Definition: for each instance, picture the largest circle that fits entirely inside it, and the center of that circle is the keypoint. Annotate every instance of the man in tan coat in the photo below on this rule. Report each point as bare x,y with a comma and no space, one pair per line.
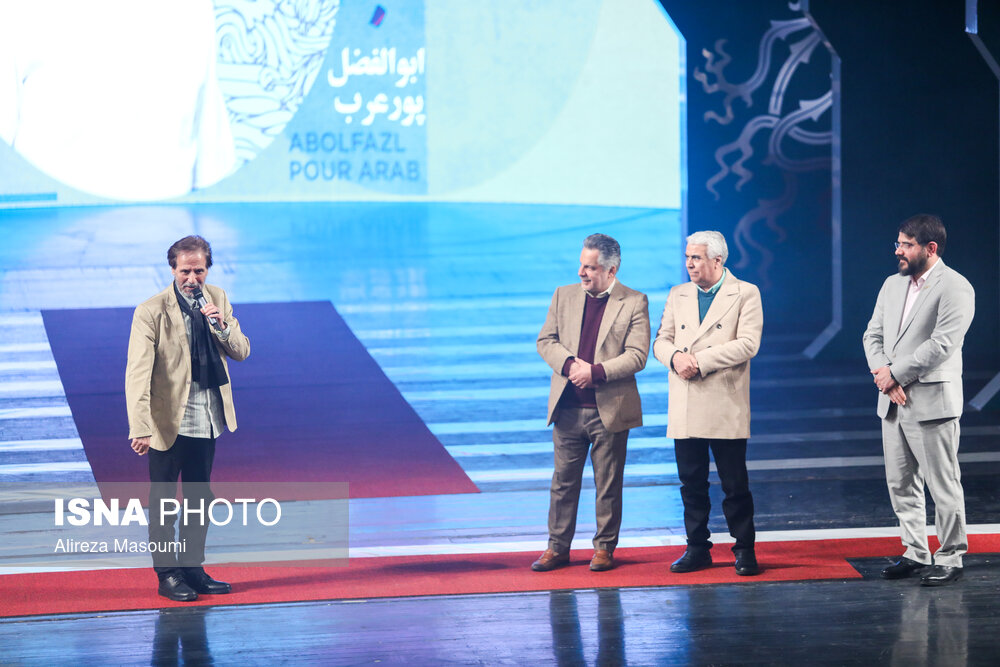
595,339
179,399
710,330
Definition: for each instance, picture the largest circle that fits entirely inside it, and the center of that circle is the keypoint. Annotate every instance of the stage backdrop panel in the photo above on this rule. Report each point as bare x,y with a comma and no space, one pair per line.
312,405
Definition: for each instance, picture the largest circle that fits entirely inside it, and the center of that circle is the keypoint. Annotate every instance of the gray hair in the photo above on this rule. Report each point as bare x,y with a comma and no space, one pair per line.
609,252
714,242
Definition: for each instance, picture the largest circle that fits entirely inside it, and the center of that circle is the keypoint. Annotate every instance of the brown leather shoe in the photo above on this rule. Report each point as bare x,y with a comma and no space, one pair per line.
602,561
550,560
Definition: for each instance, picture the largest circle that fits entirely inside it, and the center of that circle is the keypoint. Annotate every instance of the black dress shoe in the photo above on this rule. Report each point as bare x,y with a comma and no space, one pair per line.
939,575
202,583
902,569
692,560
746,563
175,588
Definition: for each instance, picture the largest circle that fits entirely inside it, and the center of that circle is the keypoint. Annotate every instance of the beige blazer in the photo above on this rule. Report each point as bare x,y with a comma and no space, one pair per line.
158,372
622,349
924,353
716,402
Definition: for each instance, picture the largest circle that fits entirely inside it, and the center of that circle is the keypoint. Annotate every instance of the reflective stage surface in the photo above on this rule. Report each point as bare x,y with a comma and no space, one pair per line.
448,299
861,622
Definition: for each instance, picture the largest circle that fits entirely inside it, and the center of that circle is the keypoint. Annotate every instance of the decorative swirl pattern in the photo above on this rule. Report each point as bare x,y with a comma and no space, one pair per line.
781,119
270,52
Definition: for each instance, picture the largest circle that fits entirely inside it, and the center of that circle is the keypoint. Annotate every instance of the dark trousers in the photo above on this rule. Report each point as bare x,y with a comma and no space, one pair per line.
191,460
731,463
574,432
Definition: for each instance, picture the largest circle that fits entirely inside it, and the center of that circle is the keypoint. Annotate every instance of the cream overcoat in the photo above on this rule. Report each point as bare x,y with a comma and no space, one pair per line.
716,402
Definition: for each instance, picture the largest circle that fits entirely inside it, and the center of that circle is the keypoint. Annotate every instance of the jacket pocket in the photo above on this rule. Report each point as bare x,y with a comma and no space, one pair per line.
729,375
934,376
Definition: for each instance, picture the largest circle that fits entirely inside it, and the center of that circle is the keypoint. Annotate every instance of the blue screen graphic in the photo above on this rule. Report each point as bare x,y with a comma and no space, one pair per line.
496,101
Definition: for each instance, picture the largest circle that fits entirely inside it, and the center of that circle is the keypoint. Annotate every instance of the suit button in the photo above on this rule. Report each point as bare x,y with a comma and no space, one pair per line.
685,349
682,326
718,326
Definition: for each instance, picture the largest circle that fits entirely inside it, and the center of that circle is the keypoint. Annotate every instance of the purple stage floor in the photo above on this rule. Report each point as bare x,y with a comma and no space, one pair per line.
312,405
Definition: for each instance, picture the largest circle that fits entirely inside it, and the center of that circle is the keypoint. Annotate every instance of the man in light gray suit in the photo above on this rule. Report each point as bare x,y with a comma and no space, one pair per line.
595,339
914,349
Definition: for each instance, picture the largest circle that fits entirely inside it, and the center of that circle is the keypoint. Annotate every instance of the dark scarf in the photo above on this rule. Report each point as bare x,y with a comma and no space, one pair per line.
206,363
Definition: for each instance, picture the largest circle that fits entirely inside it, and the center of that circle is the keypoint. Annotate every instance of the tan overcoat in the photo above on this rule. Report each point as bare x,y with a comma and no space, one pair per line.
716,402
158,372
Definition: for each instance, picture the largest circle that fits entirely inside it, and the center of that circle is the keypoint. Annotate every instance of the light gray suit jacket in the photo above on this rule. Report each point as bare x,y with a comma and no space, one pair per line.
924,354
622,349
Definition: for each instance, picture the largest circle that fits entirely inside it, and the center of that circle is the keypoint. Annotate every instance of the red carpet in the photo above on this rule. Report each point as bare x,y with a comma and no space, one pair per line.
109,590
313,406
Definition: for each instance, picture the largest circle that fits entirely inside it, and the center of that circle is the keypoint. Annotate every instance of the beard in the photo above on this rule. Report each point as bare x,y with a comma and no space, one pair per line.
918,265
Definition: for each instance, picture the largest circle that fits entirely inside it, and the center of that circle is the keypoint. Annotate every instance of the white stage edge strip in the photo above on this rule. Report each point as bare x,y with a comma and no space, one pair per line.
36,413
54,444
670,469
23,347
537,546
644,541
21,366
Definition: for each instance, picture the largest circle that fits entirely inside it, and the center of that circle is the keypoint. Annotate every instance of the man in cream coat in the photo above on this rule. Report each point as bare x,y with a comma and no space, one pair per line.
914,349
179,399
710,330
595,339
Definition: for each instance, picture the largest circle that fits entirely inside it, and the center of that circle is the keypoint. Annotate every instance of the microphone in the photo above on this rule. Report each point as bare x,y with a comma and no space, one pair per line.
199,298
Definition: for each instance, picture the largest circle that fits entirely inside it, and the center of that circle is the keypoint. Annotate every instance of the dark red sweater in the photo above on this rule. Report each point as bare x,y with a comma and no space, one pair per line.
573,396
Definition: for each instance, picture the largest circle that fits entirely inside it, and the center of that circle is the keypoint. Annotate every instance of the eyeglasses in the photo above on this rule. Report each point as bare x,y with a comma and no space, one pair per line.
904,244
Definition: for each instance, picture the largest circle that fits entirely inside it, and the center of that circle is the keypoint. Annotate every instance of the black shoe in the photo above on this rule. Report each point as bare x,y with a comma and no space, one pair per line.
174,588
201,582
939,575
902,569
692,560
746,563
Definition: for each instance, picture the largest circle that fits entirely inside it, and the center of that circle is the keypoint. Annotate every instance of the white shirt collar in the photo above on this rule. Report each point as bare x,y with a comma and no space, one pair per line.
606,292
923,278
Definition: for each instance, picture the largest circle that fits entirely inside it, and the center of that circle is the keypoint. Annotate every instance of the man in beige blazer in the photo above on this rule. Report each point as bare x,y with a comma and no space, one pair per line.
179,399
595,339
913,345
710,330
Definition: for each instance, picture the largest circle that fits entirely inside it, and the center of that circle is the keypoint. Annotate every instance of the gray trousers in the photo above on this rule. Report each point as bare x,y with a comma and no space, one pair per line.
919,452
574,432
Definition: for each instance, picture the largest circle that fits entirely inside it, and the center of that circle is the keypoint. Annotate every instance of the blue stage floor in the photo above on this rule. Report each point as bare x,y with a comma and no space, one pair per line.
449,299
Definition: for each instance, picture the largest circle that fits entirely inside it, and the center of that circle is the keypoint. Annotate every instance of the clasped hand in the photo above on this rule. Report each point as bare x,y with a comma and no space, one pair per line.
686,365
888,385
580,374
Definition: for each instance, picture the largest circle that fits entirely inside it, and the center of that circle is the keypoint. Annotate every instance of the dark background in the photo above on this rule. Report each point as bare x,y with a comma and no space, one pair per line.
913,127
